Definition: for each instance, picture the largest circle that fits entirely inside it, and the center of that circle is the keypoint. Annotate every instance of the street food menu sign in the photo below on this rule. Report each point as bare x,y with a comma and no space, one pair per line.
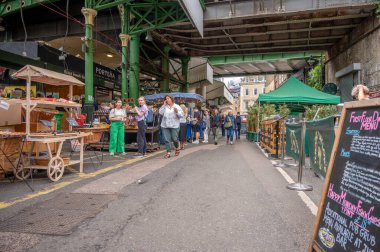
349,214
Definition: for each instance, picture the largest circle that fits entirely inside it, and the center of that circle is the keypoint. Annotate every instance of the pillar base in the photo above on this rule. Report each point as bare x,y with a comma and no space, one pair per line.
299,187
88,110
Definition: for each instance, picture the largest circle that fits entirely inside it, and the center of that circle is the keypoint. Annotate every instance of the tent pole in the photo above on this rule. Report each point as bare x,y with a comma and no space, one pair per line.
258,119
27,116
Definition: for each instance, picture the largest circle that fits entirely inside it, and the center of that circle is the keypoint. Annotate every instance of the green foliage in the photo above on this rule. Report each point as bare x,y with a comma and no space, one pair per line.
314,78
283,110
377,3
253,113
324,111
269,110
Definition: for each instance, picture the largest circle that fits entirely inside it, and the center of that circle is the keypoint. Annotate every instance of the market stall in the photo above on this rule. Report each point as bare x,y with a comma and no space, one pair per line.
55,162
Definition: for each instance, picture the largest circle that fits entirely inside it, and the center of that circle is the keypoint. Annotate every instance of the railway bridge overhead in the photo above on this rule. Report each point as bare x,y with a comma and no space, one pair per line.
240,37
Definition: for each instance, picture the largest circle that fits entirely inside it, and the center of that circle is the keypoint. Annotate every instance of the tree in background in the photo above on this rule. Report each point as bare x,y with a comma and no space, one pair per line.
314,78
377,2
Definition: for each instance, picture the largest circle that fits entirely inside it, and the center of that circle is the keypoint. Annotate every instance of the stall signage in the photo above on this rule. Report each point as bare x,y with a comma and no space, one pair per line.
349,213
106,73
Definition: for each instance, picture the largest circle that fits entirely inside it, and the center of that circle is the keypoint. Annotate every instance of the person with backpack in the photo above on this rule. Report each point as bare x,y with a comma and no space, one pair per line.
229,125
142,114
238,125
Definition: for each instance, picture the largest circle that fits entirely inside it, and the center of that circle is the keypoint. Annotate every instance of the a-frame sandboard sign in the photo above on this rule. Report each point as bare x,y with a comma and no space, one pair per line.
349,212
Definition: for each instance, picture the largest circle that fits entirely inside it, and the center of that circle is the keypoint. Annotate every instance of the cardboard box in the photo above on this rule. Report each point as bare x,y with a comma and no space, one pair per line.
10,112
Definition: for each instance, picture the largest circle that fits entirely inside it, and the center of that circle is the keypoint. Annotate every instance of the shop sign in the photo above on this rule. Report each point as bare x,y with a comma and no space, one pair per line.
106,73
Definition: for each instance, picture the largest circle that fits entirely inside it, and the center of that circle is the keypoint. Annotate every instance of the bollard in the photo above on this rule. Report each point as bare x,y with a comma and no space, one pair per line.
298,186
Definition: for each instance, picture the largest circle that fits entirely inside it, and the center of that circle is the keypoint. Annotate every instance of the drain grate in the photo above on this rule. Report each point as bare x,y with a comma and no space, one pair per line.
46,221
78,201
58,216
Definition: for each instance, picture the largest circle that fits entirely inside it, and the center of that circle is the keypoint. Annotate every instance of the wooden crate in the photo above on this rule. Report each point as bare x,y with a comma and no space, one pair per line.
9,154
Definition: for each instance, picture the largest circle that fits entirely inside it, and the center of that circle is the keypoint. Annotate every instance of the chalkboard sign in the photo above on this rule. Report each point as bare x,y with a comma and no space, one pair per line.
349,213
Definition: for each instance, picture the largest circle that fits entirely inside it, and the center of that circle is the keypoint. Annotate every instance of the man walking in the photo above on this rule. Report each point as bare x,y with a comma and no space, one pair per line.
215,124
238,125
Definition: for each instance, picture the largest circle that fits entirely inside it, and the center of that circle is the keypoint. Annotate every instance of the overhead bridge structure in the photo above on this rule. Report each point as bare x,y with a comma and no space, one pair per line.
235,37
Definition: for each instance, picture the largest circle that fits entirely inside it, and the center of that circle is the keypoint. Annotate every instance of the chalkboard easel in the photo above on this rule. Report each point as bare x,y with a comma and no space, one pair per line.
348,217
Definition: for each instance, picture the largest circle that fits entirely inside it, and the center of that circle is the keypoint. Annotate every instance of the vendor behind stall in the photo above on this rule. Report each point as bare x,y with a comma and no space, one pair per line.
117,118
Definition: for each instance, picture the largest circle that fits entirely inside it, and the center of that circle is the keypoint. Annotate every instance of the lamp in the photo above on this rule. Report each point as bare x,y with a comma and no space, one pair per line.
148,37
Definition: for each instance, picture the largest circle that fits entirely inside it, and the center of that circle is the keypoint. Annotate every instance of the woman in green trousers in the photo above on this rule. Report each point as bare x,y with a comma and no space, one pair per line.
117,118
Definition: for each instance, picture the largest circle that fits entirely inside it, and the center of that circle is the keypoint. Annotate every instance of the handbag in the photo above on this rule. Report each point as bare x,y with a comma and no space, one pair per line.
228,125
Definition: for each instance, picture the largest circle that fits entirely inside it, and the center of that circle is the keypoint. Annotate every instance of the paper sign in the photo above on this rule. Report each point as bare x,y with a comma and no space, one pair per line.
4,105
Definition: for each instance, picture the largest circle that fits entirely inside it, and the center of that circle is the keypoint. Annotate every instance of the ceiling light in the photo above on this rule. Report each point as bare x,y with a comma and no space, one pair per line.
2,28
148,37
109,55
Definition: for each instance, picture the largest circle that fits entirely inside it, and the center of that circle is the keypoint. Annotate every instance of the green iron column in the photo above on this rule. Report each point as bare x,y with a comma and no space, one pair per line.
89,15
134,78
124,63
124,37
185,70
164,86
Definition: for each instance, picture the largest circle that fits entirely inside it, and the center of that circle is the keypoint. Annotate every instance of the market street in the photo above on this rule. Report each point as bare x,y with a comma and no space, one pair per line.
210,198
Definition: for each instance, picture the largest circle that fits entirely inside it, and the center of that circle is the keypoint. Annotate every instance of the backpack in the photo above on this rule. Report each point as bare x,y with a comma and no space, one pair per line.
150,117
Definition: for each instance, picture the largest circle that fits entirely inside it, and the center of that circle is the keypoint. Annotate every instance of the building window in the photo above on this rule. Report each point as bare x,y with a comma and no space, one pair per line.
255,91
246,105
246,91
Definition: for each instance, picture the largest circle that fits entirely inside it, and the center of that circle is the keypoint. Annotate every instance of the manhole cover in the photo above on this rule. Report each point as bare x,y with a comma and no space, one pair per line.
46,221
78,201
58,216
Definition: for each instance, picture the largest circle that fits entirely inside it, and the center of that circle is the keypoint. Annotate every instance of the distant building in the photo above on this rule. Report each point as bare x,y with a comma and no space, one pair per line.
250,88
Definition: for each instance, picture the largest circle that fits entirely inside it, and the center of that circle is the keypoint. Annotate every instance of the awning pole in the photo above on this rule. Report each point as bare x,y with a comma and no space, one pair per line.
258,119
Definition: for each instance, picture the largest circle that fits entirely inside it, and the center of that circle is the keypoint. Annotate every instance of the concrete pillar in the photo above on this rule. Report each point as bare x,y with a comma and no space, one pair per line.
185,70
164,85
124,63
134,77
89,15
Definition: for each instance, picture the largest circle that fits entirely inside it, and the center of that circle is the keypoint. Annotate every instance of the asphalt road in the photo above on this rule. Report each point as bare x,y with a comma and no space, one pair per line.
211,198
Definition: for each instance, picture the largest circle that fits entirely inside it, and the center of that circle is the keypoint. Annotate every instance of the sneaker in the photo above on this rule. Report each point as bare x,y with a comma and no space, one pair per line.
231,143
145,154
205,142
123,154
112,154
138,155
196,142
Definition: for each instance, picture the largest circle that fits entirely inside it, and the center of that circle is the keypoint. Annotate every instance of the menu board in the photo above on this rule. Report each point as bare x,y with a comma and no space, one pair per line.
349,213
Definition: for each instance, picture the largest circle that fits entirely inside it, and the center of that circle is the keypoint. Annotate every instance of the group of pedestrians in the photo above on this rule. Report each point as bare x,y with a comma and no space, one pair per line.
174,120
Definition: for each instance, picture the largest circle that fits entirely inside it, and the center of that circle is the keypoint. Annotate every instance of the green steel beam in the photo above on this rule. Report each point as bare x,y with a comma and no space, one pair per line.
134,78
11,6
153,14
203,5
251,74
164,85
226,60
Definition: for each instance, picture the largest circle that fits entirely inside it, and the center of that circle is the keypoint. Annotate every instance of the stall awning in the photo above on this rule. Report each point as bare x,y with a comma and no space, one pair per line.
46,76
294,91
219,90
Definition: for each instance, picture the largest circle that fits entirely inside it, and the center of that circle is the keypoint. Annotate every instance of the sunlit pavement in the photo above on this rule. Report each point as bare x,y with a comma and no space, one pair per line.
210,198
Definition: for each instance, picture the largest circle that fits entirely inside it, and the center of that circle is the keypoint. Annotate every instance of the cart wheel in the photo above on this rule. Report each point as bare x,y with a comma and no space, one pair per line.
22,173
55,169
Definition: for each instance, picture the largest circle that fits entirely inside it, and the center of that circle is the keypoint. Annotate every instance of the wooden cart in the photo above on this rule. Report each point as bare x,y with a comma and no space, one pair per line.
55,166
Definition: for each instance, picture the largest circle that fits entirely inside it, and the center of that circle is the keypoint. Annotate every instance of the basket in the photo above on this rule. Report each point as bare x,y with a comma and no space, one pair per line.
10,146
44,161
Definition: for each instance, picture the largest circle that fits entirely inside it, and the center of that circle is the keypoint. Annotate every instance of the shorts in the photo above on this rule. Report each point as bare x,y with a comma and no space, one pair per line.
196,127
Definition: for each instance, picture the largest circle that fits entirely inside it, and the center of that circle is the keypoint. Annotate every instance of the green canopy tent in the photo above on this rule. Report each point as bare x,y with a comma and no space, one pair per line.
295,91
